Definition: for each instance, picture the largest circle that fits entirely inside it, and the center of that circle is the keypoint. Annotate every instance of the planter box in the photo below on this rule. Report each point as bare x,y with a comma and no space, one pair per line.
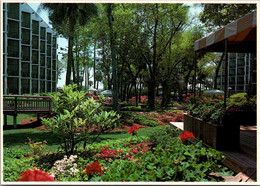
220,137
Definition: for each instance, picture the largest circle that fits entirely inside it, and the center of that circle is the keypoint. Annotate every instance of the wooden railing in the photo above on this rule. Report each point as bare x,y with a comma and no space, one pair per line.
19,103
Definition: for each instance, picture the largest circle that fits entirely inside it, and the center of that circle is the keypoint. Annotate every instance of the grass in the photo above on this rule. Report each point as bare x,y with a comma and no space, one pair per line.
20,118
16,138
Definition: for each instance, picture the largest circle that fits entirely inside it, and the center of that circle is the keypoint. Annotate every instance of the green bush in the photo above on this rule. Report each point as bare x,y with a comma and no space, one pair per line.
241,101
77,117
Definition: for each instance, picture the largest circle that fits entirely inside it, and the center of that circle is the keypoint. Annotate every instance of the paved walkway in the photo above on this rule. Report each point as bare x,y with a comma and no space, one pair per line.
243,161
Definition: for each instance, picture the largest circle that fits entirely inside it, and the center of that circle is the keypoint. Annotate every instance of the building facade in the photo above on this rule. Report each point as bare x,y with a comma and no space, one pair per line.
29,52
241,72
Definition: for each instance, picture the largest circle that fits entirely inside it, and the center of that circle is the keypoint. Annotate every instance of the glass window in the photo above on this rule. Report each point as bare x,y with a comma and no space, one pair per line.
26,36
26,53
13,10
12,85
34,86
42,60
35,57
35,71
13,48
43,32
26,19
35,42
42,73
13,67
25,70
42,46
35,27
49,38
13,29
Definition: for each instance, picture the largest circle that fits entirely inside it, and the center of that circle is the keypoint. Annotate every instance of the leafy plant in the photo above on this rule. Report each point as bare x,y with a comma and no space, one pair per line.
36,147
77,117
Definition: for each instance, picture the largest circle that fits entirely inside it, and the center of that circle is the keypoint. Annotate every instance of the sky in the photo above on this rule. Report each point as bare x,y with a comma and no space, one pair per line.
62,42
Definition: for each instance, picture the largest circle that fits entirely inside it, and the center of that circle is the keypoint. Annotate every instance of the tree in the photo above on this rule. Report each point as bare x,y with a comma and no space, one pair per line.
114,65
217,15
161,23
67,16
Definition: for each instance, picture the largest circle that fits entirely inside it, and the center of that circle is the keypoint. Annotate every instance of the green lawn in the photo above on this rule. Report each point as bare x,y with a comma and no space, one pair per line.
16,138
20,118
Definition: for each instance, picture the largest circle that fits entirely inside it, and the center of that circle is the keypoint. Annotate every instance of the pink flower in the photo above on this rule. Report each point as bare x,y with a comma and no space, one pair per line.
36,175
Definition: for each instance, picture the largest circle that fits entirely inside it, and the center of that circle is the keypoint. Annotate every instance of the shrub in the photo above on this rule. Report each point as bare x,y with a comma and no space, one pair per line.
65,167
36,175
77,117
36,147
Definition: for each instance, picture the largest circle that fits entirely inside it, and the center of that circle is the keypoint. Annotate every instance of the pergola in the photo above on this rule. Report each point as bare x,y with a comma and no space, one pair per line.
238,36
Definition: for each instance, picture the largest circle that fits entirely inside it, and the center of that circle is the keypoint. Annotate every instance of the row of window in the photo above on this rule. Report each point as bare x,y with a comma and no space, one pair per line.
26,85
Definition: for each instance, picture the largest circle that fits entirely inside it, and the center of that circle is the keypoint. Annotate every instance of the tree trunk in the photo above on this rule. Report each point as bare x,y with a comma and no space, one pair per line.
69,62
77,66
94,64
114,65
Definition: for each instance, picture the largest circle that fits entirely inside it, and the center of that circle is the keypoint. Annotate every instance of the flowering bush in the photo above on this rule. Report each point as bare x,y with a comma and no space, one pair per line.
186,135
65,167
133,129
211,109
107,153
36,175
94,168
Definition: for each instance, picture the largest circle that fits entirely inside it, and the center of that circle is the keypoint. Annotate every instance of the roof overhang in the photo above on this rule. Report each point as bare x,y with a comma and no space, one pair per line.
241,35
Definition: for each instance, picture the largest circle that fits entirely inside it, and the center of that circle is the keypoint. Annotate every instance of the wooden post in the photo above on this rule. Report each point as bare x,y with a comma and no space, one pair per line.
15,120
15,113
226,71
194,81
5,118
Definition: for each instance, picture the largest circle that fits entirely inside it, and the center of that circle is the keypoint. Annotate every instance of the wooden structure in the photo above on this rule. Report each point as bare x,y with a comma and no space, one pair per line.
221,137
242,162
15,104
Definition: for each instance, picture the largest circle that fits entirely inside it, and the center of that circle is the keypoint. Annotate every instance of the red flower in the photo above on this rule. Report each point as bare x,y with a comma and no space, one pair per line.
133,129
134,151
186,135
232,109
36,175
187,99
94,168
221,97
207,111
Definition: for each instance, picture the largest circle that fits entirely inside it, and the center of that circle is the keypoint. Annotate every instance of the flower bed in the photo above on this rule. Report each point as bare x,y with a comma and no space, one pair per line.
165,155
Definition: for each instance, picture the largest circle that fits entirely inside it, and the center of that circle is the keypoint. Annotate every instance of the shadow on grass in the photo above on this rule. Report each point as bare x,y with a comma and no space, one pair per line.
19,137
